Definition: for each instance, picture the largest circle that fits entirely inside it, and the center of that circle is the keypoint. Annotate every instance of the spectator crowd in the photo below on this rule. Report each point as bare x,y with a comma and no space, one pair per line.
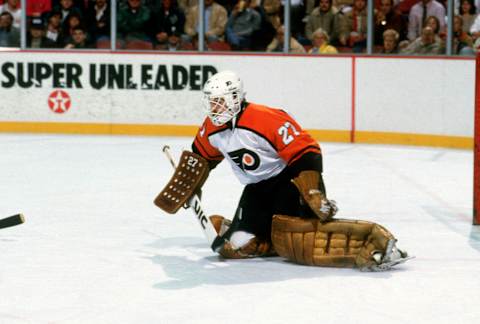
317,26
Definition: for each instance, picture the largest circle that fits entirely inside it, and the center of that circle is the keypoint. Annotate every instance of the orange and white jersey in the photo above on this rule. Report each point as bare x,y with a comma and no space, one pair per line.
263,142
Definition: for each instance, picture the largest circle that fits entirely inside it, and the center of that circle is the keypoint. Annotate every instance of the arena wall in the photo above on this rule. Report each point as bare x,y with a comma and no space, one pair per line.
394,100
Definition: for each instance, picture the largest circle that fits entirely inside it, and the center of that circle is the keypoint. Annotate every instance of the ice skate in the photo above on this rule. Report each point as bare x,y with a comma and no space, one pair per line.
389,259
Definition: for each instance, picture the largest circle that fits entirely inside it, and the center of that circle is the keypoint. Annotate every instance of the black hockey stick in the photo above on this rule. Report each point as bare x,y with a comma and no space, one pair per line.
12,221
215,241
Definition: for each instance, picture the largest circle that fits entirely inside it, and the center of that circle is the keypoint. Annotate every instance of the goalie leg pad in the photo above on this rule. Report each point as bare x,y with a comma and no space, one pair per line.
338,243
189,177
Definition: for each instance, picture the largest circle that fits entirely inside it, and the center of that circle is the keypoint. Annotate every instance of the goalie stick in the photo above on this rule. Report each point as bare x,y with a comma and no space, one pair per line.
12,221
194,204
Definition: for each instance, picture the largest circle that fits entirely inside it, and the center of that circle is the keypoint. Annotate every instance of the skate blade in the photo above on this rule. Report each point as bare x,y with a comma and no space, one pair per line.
387,265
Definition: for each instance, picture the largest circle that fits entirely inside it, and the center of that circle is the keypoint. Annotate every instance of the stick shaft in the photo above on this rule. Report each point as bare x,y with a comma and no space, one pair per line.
194,204
166,150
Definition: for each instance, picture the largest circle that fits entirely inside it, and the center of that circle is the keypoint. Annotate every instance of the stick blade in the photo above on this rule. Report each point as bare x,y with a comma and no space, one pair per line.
12,220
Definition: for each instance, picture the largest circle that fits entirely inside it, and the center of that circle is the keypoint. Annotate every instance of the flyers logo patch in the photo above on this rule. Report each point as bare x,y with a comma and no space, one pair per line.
245,159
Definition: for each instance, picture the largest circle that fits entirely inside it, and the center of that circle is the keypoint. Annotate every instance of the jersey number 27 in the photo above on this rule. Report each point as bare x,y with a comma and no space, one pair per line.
287,131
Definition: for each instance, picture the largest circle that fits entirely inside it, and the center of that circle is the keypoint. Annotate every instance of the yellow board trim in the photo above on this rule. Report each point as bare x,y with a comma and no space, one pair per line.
97,129
459,142
188,130
330,135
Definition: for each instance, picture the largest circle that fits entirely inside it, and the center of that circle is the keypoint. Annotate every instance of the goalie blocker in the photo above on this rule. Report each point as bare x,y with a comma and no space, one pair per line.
182,189
188,178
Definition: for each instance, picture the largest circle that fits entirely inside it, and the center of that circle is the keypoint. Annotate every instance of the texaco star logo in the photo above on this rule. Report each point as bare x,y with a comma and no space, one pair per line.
59,101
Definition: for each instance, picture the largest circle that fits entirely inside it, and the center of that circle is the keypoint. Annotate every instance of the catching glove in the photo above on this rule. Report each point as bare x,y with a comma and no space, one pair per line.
307,183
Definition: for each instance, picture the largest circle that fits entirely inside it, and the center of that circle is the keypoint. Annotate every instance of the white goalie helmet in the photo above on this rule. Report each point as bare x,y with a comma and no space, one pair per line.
222,97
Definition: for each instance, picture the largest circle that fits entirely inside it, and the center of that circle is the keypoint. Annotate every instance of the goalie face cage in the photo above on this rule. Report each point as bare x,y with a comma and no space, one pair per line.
476,149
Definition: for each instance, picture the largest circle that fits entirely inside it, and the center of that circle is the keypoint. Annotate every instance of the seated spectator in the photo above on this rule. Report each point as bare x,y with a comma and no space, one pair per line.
425,44
78,39
241,24
54,29
320,41
174,42
467,10
9,35
434,23
73,21
297,13
265,33
277,43
36,35
390,41
66,8
462,42
167,25
419,12
353,28
272,11
324,16
81,5
440,35
13,7
215,22
133,21
97,19
386,17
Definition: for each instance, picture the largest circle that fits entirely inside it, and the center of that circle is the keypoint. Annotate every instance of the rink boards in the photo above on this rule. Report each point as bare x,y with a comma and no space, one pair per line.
417,101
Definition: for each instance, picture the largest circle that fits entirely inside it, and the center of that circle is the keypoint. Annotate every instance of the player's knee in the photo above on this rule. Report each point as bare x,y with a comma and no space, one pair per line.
239,244
243,245
240,239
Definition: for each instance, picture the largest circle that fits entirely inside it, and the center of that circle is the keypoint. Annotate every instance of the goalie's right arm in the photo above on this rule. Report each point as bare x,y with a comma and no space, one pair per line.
212,163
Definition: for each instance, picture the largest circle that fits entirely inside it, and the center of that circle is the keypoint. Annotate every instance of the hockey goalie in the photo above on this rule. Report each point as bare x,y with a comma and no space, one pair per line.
283,209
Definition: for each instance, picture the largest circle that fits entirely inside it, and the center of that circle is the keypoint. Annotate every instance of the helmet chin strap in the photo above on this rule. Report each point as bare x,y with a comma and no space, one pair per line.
232,123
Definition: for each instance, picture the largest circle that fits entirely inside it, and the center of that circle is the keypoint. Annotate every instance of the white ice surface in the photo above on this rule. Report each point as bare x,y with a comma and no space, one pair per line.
94,248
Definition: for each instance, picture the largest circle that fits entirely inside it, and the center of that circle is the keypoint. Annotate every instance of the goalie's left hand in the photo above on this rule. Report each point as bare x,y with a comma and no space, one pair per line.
322,207
328,209
307,183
